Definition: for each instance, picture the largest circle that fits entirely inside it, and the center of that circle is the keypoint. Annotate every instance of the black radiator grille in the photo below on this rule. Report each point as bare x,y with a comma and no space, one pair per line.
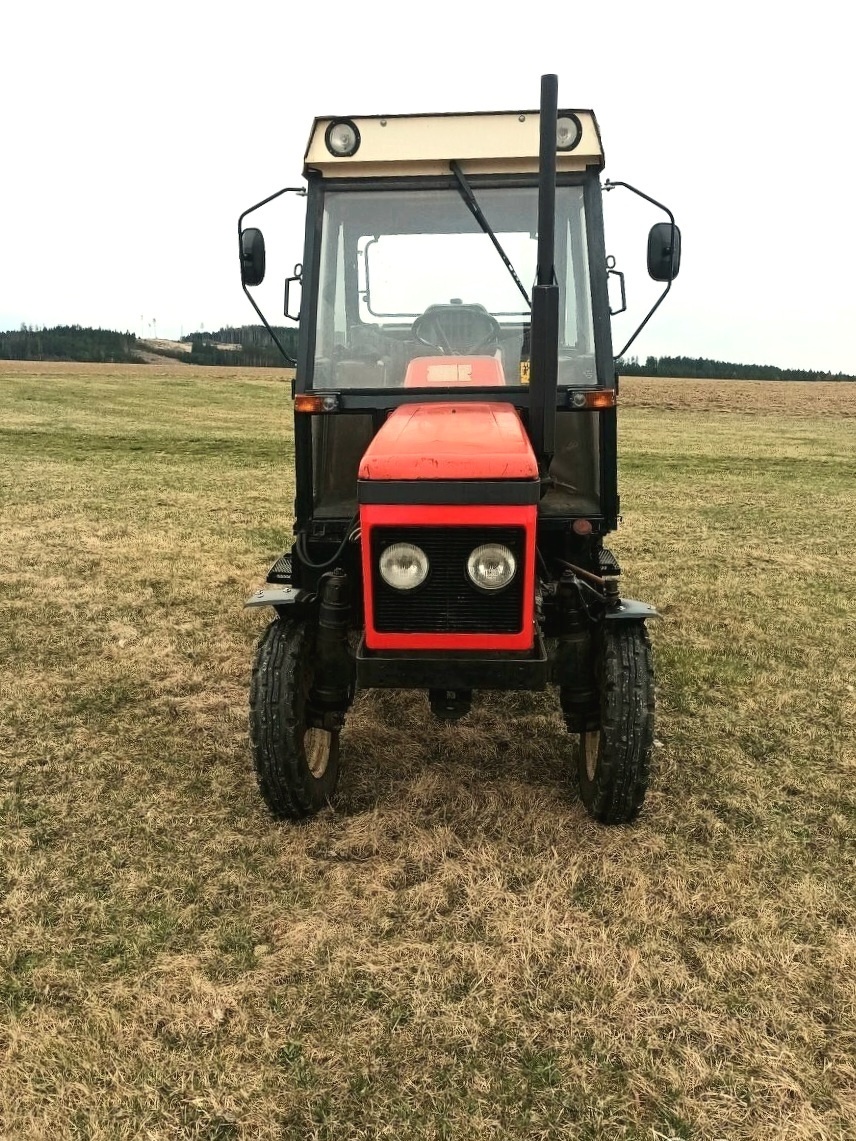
447,602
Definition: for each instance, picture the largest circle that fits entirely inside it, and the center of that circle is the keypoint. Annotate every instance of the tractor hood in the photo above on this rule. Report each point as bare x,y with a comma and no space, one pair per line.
451,442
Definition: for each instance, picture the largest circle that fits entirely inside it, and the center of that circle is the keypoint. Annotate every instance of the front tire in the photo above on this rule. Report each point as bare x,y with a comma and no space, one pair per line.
614,761
297,765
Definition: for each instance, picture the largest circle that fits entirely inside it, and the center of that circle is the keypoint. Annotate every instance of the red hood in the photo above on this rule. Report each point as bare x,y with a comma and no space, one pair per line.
451,441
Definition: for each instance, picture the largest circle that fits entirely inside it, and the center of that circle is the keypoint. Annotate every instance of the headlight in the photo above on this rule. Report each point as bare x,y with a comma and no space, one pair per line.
403,566
491,566
342,138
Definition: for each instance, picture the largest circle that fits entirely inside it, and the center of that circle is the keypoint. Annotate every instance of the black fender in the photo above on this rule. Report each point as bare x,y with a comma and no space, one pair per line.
629,610
287,601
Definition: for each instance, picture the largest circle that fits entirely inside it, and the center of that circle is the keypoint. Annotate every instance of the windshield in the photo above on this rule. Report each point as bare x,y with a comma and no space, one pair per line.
409,275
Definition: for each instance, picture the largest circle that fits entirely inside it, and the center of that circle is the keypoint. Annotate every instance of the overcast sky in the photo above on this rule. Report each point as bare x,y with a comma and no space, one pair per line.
134,134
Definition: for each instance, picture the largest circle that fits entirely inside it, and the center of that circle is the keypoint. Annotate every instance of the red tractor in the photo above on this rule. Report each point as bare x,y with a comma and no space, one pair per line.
455,443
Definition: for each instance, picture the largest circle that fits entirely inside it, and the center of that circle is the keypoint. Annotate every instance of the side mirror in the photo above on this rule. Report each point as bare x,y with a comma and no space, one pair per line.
252,257
664,261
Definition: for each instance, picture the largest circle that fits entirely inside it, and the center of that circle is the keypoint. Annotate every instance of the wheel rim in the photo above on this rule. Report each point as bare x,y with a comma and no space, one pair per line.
590,746
316,745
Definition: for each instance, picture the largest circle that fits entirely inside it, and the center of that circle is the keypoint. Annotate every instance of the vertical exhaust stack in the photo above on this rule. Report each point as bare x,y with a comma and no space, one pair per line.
545,294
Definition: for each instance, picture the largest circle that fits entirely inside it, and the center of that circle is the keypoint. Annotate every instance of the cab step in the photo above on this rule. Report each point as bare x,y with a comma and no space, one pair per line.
280,572
608,563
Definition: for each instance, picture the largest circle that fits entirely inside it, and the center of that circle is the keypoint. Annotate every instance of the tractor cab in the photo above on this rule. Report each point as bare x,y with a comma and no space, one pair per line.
455,442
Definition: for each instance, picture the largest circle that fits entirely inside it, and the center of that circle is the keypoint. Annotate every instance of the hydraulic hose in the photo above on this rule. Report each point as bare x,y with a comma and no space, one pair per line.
300,548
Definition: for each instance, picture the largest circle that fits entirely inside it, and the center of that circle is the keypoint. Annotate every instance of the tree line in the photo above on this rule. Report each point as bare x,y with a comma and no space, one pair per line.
69,343
105,346
702,368
255,348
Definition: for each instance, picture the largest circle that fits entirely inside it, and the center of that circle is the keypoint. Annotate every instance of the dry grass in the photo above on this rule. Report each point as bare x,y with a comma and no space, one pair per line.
456,951
788,398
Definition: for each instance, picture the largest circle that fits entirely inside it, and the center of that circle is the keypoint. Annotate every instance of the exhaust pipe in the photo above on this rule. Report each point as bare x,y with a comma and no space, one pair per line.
545,294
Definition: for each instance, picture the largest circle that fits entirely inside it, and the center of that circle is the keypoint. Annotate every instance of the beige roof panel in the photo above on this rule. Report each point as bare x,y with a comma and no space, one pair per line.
500,142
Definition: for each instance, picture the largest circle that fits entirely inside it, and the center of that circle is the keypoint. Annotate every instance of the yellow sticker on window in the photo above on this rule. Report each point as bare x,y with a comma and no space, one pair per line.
524,372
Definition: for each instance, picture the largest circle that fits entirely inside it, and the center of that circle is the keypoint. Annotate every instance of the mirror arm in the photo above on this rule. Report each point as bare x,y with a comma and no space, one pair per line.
301,190
288,359
648,317
610,185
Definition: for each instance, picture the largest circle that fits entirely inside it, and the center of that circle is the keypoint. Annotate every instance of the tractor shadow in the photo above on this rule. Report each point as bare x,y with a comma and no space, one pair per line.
394,751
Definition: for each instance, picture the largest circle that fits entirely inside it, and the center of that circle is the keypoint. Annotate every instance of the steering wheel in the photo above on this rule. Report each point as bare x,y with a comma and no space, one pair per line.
457,329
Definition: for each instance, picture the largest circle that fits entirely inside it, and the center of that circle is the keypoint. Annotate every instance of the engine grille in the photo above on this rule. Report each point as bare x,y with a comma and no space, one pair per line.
447,602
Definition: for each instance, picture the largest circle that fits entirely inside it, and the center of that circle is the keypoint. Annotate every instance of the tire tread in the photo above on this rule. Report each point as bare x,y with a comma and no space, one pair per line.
286,783
617,793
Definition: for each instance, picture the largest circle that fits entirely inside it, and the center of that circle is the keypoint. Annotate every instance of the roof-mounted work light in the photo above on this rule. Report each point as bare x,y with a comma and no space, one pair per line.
568,132
342,138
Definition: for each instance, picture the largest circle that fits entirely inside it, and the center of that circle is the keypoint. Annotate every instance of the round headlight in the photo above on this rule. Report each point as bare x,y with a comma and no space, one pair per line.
342,138
491,566
403,566
568,131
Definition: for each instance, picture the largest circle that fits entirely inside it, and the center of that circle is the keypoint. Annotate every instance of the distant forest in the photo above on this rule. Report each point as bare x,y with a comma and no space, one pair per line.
254,347
68,343
702,368
104,346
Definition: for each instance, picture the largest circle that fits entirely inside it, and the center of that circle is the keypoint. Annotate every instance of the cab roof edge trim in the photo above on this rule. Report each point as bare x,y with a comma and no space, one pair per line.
493,137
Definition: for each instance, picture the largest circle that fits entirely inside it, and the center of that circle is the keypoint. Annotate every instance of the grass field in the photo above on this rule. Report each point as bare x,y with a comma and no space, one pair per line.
456,951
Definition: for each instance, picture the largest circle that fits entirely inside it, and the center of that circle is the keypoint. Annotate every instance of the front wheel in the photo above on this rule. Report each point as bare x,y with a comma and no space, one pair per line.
297,764
614,761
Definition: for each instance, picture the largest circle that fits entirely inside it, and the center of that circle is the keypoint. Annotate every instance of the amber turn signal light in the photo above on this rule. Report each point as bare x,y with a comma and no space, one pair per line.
592,398
310,402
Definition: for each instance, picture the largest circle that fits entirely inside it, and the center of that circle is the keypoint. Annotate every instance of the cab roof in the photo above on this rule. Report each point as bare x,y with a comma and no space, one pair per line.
499,142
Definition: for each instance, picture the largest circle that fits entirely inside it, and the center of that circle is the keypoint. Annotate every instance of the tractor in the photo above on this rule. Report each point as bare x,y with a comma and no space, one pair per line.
455,397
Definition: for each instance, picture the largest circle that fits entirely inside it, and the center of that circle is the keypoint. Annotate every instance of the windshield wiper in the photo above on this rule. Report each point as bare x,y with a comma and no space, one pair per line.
476,211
